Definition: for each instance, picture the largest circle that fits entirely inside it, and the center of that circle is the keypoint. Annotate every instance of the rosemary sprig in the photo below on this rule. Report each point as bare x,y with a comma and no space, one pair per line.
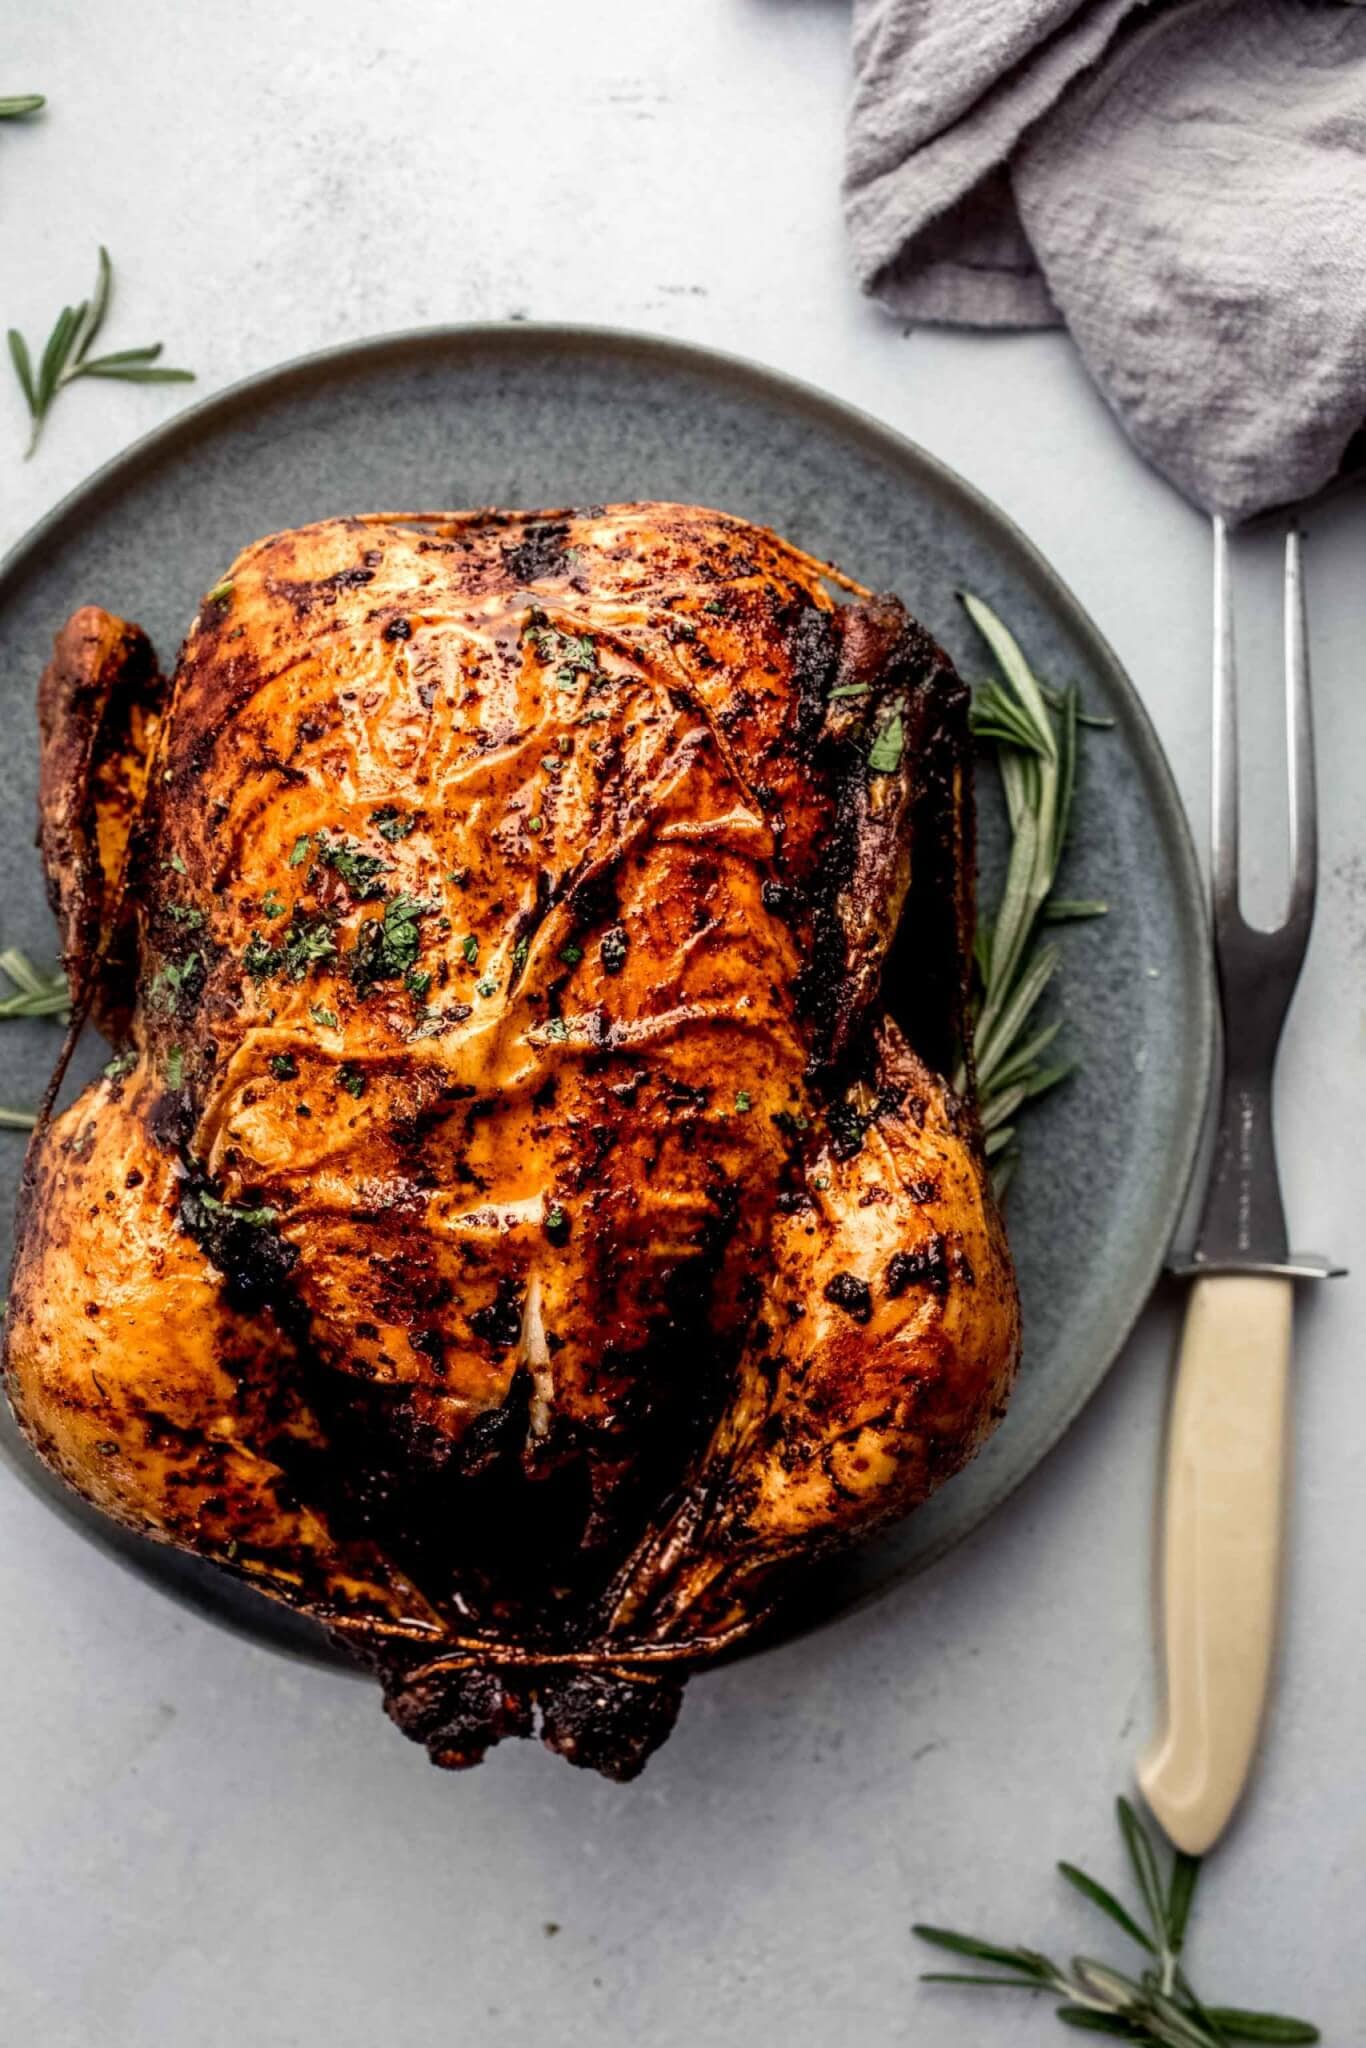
36,995
20,104
1034,732
66,355
1158,2007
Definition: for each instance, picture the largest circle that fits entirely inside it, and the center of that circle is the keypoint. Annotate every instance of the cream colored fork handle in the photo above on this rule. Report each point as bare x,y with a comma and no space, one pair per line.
1221,1549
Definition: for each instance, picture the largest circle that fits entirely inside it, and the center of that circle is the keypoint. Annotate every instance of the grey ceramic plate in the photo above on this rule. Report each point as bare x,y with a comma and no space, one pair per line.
529,416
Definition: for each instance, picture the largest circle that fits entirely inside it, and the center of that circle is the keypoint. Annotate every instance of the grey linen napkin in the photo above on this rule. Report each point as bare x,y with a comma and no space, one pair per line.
1183,185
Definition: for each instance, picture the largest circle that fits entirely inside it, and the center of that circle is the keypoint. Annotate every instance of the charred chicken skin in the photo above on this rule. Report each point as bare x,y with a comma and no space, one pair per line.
526,1217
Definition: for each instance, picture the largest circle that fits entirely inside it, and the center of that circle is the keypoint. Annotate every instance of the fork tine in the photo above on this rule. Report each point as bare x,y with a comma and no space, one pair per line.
1299,735
1224,753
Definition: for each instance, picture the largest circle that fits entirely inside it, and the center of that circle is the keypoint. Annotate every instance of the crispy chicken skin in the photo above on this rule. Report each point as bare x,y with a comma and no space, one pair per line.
526,1217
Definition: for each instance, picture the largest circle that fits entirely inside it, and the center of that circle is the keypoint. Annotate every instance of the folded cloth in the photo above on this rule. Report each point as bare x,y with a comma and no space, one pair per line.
1183,185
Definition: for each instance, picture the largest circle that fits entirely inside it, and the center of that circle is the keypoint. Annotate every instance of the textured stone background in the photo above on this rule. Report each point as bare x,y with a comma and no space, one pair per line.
199,1842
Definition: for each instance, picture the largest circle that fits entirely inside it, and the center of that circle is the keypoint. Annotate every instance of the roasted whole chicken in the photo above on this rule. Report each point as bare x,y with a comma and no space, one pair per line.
526,1218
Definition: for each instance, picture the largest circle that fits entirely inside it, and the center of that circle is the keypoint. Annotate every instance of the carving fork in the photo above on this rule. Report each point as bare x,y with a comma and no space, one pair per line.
1228,1434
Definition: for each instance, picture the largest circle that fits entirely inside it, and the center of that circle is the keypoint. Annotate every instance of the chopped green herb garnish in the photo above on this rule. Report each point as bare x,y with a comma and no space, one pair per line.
557,1029
298,853
571,954
391,824
460,877
174,979
258,1218
359,870
284,1066
556,1224
351,1079
307,942
469,946
418,981
743,1100
173,1067
535,824
486,987
272,905
185,914
519,954
574,653
852,690
177,863
221,593
386,948
884,755
322,1015
122,1064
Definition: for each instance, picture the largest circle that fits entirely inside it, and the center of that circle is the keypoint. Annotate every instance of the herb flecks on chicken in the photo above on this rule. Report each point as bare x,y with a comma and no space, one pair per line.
531,1220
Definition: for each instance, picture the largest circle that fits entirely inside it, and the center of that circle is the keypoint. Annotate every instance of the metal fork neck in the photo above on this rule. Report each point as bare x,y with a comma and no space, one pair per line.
1244,1217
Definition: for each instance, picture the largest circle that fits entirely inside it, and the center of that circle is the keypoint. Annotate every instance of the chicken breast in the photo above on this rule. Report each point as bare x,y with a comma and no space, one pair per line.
527,1215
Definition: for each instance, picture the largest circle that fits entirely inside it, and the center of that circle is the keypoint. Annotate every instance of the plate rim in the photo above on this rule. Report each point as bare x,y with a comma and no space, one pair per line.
170,438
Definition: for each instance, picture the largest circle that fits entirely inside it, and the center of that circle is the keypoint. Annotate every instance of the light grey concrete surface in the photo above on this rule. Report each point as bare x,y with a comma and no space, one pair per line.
200,1843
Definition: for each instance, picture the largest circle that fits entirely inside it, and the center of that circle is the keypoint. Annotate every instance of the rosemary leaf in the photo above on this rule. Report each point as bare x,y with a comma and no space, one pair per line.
1020,1064
18,105
1237,2025
1066,909
1088,2021
92,313
55,353
1014,917
1053,699
1067,778
23,368
106,368
1144,1860
1002,1106
1044,1078
1022,1959
994,1043
1012,663
1107,1903
17,1119
987,1983
1180,1895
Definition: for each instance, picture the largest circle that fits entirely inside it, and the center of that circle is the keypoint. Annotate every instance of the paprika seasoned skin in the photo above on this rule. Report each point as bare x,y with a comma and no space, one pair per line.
527,1217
